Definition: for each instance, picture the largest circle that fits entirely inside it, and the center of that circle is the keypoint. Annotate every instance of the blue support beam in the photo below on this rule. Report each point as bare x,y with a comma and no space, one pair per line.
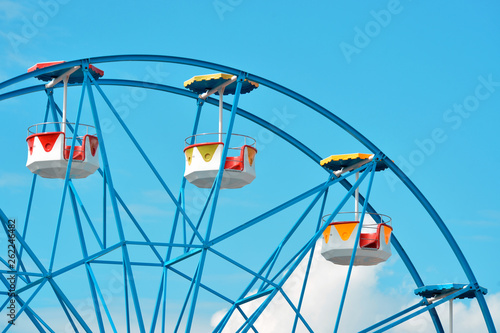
186,301
317,108
4,220
243,268
66,303
295,227
393,317
303,253
354,249
114,204
83,246
297,312
426,308
145,157
309,262
30,200
66,180
320,189
216,185
278,209
35,318
95,285
254,296
162,294
156,311
87,217
183,257
24,306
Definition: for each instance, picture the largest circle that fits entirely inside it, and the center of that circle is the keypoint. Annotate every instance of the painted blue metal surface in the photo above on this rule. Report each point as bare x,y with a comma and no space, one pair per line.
66,179
437,290
88,269
25,305
216,186
296,144
272,258
309,262
478,292
303,253
143,154
114,203
393,317
372,168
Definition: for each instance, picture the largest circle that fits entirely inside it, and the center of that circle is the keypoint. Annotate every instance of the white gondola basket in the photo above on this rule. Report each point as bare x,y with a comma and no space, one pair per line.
373,247
48,151
203,154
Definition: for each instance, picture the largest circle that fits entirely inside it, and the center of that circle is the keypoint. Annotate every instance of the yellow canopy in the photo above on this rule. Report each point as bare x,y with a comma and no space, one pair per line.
338,162
203,83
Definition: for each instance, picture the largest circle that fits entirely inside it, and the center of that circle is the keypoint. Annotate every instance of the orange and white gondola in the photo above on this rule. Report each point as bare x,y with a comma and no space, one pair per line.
373,247
339,237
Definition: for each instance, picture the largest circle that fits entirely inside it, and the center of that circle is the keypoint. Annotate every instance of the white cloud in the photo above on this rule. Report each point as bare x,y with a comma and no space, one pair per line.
467,316
364,305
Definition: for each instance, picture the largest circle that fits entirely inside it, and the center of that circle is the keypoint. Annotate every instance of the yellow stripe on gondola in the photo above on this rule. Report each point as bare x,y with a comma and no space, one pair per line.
189,155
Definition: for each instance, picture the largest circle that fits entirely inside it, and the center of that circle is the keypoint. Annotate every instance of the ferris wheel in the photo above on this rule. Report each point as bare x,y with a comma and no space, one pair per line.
105,267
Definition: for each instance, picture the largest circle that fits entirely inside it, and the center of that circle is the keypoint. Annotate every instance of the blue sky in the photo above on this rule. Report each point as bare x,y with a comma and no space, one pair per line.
420,80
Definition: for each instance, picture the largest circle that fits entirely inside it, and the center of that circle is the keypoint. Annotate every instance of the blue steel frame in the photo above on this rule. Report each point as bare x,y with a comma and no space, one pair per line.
269,286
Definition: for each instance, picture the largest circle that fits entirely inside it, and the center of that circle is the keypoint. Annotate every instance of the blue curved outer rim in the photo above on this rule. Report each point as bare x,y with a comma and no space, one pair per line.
302,99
